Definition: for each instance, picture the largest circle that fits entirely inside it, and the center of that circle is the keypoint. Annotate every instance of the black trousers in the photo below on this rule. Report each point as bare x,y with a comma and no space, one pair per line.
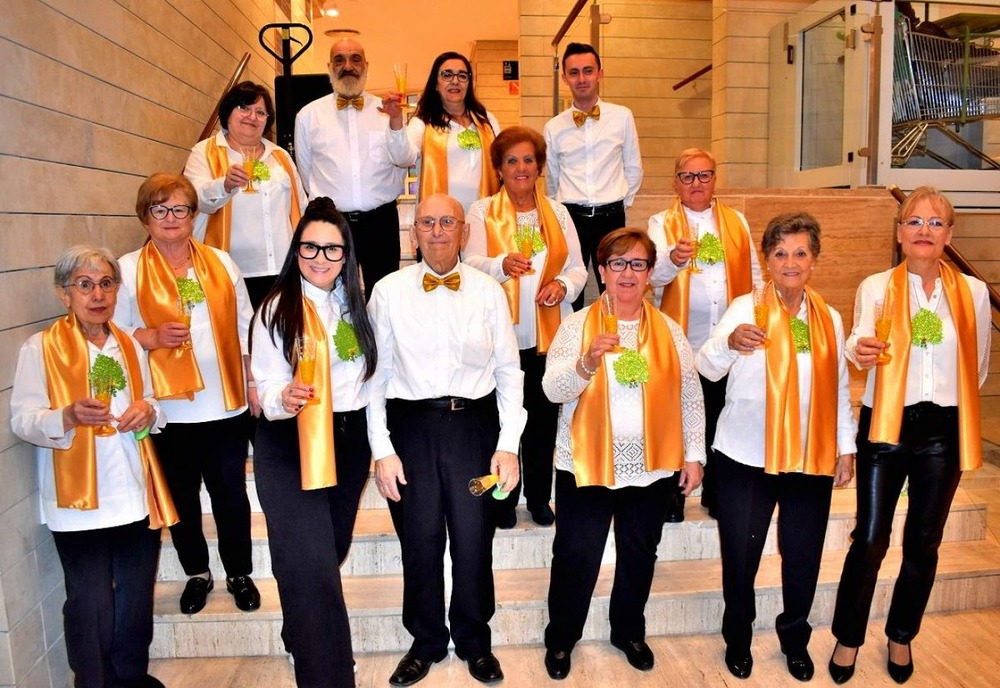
747,497
376,240
216,452
108,615
583,519
591,230
441,451
715,400
538,441
927,455
309,533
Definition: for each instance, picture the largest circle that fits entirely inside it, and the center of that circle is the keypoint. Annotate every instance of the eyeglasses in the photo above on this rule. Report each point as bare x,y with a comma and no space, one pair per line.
83,285
251,110
332,252
704,176
448,223
935,223
619,264
159,212
450,75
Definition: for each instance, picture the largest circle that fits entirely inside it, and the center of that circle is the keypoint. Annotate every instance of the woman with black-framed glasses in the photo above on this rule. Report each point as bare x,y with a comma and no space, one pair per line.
450,134
312,456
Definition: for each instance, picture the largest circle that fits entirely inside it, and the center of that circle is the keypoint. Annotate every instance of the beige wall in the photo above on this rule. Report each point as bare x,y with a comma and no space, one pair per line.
487,62
94,96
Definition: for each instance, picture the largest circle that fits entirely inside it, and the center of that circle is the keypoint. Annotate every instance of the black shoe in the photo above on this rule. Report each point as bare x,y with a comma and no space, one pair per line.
485,668
557,664
675,508
637,653
146,681
410,669
543,515
842,674
195,594
901,673
244,592
739,664
506,518
800,665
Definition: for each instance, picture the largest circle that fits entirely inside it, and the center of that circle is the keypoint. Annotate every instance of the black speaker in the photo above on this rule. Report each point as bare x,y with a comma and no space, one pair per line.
291,94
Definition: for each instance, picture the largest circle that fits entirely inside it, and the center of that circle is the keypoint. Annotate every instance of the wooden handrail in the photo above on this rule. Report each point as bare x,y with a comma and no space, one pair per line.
687,80
213,119
570,18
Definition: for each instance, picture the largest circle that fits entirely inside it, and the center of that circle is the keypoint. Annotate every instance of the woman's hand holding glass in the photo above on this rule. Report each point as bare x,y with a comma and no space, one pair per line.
867,351
88,411
171,335
515,264
296,395
745,338
236,178
682,253
602,344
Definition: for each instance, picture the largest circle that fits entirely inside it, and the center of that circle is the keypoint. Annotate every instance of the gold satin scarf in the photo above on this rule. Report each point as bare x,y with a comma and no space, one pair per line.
175,372
890,378
579,116
591,434
501,225
67,372
218,232
735,243
434,160
315,421
783,432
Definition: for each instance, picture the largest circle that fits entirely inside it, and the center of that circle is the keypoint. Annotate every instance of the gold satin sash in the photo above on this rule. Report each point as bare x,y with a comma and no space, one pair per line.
501,225
218,232
434,160
591,434
890,378
175,372
783,433
735,243
67,372
315,420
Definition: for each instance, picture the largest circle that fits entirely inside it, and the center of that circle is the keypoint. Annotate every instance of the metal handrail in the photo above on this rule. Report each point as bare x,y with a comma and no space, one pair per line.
688,79
560,34
213,119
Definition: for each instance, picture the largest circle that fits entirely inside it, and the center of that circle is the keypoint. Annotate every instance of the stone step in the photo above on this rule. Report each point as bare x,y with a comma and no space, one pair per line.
375,550
686,598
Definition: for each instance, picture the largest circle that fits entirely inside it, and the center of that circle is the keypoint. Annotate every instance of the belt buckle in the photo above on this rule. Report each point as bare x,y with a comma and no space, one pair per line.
455,404
591,210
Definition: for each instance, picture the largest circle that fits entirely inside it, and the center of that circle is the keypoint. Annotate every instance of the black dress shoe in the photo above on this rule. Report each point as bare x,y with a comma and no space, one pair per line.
557,664
244,592
543,515
146,681
486,668
506,518
410,669
675,508
195,594
901,673
800,665
739,664
839,673
637,653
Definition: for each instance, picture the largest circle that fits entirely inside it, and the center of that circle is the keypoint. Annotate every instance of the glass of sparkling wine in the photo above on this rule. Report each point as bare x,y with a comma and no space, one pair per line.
609,316
480,485
399,71
526,245
184,308
249,160
883,325
305,346
691,234
102,392
761,312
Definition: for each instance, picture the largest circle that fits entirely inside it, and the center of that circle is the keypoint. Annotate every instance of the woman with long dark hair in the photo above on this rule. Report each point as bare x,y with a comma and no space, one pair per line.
312,457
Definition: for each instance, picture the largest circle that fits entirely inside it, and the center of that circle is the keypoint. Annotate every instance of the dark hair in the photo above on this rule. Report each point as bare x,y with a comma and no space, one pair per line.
580,49
286,320
430,107
787,224
510,137
246,93
620,241
158,188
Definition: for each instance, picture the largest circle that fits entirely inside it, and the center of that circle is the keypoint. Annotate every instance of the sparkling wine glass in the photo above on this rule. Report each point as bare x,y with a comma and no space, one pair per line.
102,392
883,325
526,245
249,160
480,485
691,234
761,312
399,71
305,346
609,317
184,309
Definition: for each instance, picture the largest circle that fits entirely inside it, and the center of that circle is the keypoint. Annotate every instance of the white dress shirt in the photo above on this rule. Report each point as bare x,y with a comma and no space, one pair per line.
351,156
742,423
464,166
261,230
563,385
933,370
596,163
209,403
573,274
121,485
444,343
709,296
273,373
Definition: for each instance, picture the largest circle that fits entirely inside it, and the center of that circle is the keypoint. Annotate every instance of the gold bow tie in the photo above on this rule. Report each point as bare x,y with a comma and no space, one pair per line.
357,102
580,117
432,282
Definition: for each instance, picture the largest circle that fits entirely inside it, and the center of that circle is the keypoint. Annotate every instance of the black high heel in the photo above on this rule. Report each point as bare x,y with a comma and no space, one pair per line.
842,674
900,673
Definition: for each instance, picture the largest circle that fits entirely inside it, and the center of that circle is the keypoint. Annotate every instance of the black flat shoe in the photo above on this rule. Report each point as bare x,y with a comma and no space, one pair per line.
543,516
842,674
675,509
485,669
506,519
146,681
244,593
410,670
901,673
637,653
196,594
739,665
557,664
800,666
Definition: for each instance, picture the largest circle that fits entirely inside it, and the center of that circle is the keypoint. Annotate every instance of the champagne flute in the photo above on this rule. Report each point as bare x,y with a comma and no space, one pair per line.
883,325
761,311
305,346
480,485
399,71
184,308
102,392
249,160
692,235
609,317
526,245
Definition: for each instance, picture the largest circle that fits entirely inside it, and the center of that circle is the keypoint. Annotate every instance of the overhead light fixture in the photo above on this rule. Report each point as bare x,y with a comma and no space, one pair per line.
330,9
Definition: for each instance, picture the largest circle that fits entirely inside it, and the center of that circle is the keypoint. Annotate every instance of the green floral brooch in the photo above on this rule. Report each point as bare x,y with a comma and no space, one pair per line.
346,341
800,335
468,139
710,250
926,327
631,369
107,374
261,172
525,233
190,290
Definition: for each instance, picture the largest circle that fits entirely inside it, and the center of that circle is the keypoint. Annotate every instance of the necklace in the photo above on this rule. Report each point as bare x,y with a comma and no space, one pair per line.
178,266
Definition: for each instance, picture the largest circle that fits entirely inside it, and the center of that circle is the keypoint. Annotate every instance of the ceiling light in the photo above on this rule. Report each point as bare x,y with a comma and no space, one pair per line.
330,9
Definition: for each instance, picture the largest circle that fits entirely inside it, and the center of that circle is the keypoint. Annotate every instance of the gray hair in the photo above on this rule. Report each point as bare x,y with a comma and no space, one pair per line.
81,256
